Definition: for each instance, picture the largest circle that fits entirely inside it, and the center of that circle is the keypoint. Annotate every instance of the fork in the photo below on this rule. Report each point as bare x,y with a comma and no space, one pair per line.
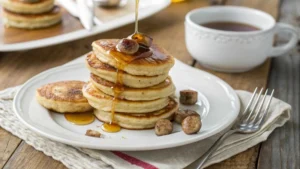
251,121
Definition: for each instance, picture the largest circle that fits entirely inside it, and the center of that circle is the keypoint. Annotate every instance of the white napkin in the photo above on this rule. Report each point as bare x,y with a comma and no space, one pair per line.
173,158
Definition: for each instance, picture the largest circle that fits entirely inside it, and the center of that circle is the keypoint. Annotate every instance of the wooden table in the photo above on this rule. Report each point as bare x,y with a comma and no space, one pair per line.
280,151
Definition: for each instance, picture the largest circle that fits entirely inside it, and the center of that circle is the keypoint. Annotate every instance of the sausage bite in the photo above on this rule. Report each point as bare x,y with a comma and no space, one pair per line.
92,133
182,114
163,127
188,97
191,124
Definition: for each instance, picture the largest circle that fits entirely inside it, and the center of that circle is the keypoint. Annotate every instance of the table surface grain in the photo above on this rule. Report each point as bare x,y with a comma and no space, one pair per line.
280,151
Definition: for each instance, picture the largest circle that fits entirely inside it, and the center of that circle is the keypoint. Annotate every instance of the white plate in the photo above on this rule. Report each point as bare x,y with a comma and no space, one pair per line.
218,105
147,8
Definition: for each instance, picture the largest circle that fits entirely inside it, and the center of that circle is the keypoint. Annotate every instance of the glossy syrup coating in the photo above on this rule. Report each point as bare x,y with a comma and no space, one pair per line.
142,39
127,46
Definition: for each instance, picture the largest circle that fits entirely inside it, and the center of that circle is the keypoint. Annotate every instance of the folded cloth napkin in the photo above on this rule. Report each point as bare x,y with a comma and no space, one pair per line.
173,158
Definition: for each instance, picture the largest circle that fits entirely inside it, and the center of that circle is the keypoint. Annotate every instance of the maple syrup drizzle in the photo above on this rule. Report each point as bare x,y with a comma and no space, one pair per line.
137,35
111,128
136,16
122,61
80,118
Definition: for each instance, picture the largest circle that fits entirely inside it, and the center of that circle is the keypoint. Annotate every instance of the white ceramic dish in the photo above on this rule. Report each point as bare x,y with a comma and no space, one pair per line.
218,105
147,8
231,51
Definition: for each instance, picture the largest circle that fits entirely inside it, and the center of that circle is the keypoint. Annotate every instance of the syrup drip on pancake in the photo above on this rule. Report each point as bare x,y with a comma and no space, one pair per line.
80,118
118,87
122,60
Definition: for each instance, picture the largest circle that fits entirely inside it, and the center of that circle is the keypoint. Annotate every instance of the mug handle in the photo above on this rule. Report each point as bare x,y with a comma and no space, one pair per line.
280,50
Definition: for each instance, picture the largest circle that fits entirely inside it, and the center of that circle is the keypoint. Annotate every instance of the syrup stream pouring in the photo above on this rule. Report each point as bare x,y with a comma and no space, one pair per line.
122,61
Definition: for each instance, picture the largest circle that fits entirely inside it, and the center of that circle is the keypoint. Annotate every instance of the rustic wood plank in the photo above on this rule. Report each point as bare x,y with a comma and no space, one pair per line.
257,77
269,6
282,149
17,67
8,143
27,157
245,160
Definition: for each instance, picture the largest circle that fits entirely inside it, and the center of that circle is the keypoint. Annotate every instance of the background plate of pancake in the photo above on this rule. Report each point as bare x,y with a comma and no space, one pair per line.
217,104
56,25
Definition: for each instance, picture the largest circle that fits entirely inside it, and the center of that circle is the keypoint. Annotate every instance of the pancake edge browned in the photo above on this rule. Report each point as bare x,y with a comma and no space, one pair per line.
152,65
170,111
113,42
107,83
54,13
50,96
110,74
27,8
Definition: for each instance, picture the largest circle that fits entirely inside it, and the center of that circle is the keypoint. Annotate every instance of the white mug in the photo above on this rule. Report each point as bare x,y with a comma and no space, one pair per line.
230,51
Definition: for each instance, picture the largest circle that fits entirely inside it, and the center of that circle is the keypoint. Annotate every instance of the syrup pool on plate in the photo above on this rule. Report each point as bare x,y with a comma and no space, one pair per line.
111,128
80,118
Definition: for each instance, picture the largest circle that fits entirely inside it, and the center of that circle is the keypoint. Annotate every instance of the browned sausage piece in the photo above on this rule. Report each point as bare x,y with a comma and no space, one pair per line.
182,114
128,46
188,97
92,133
191,124
142,39
163,127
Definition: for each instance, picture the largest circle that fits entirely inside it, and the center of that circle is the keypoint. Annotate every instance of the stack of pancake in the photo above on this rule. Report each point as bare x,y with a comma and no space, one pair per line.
132,91
30,14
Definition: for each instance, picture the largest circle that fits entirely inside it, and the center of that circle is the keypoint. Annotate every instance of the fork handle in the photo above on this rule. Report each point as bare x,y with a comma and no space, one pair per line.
212,149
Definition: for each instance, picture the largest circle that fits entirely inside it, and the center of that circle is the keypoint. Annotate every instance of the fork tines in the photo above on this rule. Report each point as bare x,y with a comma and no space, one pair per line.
253,114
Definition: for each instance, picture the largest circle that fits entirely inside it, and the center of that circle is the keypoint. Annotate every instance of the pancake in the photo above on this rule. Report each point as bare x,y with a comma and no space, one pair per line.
109,73
32,21
18,6
138,121
102,101
159,63
63,97
161,90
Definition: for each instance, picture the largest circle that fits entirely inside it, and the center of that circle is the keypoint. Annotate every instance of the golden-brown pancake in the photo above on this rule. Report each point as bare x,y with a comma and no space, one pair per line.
138,121
63,97
157,63
102,101
109,73
18,6
164,89
32,21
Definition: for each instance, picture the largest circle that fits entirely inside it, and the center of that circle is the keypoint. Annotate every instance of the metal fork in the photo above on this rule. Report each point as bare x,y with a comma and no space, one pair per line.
251,121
